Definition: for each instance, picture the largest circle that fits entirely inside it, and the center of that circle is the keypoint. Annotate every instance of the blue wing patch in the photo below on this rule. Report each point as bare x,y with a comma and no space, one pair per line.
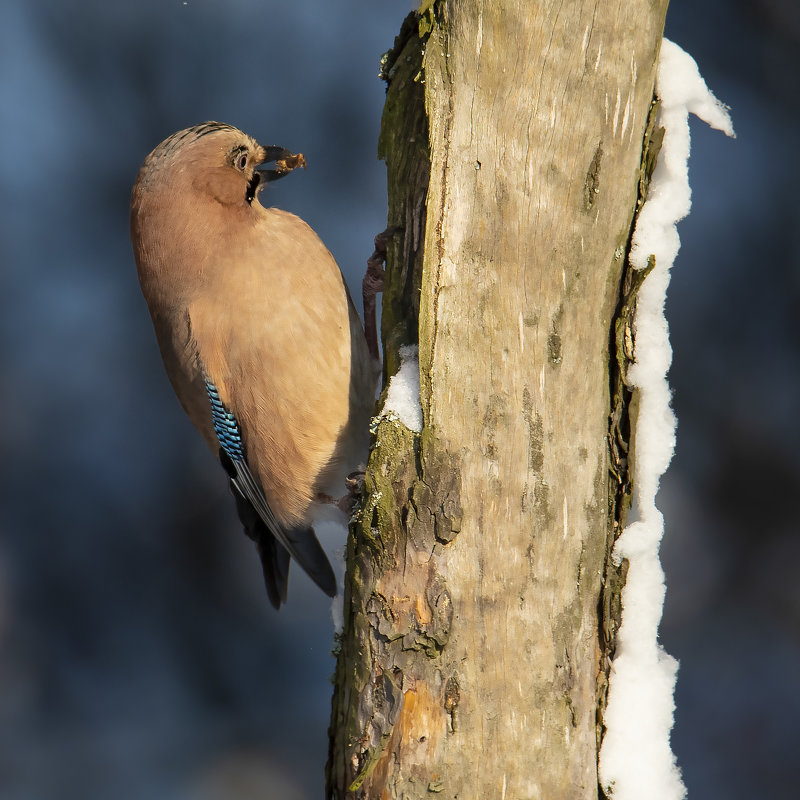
300,543
225,425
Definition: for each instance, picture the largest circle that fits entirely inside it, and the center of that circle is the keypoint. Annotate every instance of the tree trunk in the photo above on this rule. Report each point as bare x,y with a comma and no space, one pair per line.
480,600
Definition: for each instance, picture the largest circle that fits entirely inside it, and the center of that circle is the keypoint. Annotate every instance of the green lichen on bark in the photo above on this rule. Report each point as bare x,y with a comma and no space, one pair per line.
365,703
404,123
398,611
368,681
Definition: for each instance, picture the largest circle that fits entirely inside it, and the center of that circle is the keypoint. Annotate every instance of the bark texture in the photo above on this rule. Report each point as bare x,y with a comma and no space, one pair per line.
480,602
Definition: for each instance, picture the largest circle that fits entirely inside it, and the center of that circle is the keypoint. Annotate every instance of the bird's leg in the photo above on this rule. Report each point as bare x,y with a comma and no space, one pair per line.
371,285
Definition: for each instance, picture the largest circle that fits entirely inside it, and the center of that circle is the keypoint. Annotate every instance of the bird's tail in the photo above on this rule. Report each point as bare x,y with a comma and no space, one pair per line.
275,557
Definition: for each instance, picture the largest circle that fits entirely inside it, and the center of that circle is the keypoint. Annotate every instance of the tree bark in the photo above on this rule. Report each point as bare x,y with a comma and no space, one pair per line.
481,602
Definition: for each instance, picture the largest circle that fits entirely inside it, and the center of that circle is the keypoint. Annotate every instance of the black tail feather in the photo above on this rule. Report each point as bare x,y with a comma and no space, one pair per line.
275,566
274,558
262,527
305,544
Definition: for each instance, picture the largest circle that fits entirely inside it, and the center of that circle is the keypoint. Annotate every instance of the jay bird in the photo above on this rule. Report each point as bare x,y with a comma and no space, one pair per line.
258,334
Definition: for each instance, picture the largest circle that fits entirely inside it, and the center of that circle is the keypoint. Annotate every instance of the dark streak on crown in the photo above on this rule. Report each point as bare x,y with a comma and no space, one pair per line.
188,135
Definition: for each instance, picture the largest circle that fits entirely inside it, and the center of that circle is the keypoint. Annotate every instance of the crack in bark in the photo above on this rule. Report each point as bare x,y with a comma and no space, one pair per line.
624,406
436,282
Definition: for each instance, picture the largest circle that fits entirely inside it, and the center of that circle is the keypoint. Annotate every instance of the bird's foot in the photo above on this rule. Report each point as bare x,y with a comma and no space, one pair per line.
354,483
372,284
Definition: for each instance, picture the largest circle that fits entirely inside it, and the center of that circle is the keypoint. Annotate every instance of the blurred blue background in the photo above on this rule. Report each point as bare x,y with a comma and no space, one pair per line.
139,657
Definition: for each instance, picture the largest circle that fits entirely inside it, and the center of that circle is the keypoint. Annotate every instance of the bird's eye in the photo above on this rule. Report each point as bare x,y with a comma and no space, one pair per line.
241,161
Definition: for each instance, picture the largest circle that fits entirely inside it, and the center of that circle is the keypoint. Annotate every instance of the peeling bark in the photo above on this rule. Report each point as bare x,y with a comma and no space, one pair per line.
481,604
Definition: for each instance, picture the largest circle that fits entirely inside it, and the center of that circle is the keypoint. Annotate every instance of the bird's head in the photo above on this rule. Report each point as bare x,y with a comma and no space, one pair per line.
217,161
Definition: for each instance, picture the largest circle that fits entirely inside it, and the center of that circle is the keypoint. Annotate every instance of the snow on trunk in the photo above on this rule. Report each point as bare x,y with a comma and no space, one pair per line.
636,760
402,396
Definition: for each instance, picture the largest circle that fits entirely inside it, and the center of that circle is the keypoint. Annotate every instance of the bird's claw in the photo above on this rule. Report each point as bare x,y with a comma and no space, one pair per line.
372,284
354,483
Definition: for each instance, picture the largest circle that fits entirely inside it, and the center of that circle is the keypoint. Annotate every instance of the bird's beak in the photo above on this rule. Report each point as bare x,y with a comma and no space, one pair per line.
284,160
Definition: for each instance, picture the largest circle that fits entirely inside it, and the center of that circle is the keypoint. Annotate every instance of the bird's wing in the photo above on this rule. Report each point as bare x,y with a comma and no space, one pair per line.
301,543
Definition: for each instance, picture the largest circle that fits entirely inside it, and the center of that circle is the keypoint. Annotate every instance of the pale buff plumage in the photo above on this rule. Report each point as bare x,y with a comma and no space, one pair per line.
249,298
